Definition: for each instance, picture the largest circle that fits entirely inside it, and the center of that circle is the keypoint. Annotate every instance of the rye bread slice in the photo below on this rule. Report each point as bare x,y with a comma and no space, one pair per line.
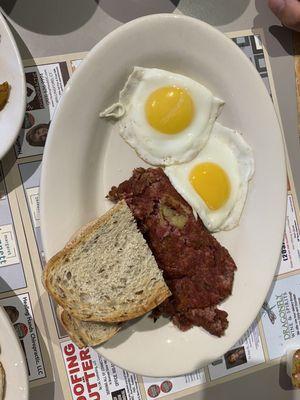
85,333
107,272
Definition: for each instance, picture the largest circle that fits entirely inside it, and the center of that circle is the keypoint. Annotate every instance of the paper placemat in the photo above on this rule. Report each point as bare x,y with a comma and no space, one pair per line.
84,374
296,41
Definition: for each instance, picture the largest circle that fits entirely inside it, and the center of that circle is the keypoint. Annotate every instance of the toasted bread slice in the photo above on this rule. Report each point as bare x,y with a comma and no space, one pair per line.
107,273
85,333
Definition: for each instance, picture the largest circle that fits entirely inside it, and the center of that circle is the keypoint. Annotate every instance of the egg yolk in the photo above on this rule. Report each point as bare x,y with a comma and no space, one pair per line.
211,183
169,109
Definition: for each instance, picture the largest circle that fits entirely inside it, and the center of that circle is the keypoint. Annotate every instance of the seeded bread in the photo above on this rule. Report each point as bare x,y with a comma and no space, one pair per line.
84,333
107,273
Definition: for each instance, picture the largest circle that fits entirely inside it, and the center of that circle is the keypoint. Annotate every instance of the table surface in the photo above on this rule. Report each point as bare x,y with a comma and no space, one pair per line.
46,28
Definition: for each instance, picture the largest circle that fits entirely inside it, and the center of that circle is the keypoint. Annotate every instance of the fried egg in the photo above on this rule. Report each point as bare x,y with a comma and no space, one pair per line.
166,117
215,182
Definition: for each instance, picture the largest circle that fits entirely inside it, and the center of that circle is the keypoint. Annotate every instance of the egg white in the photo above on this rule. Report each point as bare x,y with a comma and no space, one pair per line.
228,149
152,146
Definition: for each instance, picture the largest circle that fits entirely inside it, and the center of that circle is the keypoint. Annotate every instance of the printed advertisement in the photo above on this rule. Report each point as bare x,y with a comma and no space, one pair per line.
281,316
251,46
8,246
33,196
11,270
30,175
45,85
290,251
91,377
20,313
247,352
160,387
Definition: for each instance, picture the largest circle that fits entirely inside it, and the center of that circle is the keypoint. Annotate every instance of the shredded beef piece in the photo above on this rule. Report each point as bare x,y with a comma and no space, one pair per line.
197,269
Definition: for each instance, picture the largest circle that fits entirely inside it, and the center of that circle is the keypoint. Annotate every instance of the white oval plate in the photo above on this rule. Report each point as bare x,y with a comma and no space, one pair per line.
11,70
83,160
13,361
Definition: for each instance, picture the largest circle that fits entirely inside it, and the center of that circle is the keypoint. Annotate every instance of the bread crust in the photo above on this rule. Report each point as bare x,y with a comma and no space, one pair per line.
158,296
60,312
80,339
161,294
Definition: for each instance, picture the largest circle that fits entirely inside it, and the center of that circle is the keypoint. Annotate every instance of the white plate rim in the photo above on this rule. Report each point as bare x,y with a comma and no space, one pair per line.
77,74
